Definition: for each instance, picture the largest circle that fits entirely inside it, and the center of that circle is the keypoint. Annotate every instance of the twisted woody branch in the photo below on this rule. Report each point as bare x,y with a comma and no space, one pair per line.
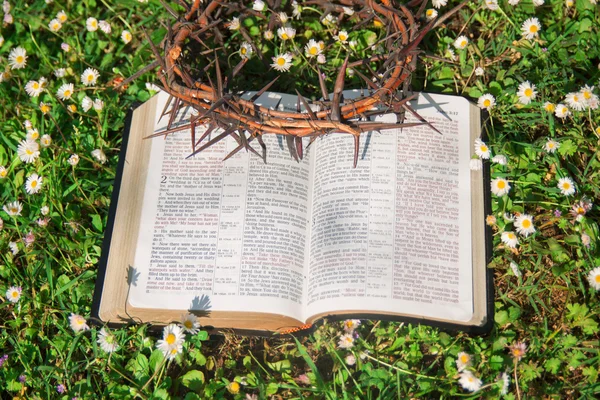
218,106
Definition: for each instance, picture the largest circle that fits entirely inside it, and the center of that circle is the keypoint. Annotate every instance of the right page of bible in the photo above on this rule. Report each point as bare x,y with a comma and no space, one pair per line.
393,235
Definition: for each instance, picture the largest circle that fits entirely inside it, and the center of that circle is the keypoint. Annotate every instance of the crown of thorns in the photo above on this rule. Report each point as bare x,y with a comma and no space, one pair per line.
205,26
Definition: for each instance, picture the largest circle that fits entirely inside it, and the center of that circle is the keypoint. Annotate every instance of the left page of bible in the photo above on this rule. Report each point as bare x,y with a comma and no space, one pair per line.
233,232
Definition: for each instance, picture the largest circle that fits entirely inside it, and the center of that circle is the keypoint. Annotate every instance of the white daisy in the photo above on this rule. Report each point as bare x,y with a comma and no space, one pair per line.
526,92
8,19
562,111
296,9
32,134
531,28
65,91
28,151
575,101
513,2
5,7
549,107
45,210
45,141
439,3
538,3
13,294
587,93
479,71
348,11
60,72
461,42
33,88
33,184
346,341
524,224
3,172
73,160
505,383
98,105
321,59
14,248
469,382
269,35
566,186
431,14
283,17
172,341
500,159
45,108
351,324
486,101
286,33
481,149
99,155
61,16
54,25
312,48
282,62
492,4
234,24
246,50
594,278
65,47
475,164
509,239
126,37
13,209
91,24
190,323
78,323
107,341
342,37
569,3
259,5
105,27
151,86
86,104
463,360
17,58
330,19
500,186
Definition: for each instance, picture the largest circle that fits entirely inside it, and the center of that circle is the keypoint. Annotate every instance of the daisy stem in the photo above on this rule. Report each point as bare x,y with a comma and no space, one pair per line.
537,202
312,9
331,350
404,371
503,13
517,383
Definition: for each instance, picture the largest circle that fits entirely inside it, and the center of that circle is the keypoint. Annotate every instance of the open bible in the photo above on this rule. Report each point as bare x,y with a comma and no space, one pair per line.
268,247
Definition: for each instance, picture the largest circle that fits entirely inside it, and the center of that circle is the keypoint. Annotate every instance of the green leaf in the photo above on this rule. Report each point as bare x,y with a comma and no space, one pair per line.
567,148
97,222
501,317
446,73
156,358
272,388
193,380
140,366
496,362
552,365
160,394
280,365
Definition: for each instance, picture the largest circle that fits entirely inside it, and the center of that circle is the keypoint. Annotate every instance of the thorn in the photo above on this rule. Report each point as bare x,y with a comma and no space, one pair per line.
356,149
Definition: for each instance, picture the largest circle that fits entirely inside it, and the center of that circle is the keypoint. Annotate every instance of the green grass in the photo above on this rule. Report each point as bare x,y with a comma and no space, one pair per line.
550,306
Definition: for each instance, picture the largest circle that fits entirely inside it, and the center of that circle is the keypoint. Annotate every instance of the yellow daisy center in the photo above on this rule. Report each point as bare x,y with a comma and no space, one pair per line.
487,102
587,95
188,324
483,148
170,338
19,59
14,210
35,85
94,24
597,278
550,145
528,92
281,61
16,294
343,37
580,210
429,13
174,351
471,379
501,184
575,99
463,43
517,352
55,26
566,185
464,358
526,223
533,29
511,236
378,23
3,173
90,77
243,50
29,152
33,184
285,36
67,93
322,45
313,51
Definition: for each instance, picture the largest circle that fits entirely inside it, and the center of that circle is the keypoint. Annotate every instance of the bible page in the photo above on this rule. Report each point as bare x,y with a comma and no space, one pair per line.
394,235
234,231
